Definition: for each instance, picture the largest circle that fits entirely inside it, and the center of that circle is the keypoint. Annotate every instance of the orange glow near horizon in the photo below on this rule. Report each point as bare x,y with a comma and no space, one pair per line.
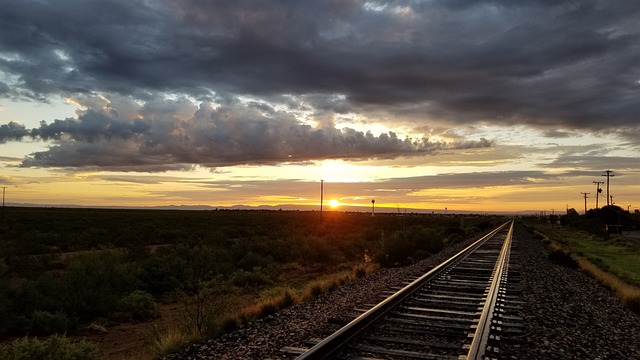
260,186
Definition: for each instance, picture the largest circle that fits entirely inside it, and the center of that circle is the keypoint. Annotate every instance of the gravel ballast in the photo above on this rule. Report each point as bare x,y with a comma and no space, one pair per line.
567,314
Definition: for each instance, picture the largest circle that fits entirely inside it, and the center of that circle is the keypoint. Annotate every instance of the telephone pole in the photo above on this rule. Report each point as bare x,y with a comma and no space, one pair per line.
585,201
4,188
321,198
609,173
598,190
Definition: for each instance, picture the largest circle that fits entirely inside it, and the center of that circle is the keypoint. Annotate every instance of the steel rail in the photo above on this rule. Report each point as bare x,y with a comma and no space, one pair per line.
330,345
481,336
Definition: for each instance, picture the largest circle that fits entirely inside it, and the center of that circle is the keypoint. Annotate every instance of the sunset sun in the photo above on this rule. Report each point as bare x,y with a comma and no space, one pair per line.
334,203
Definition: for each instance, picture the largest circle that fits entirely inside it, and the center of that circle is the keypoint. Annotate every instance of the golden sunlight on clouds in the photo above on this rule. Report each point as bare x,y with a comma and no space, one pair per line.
73,101
282,199
340,171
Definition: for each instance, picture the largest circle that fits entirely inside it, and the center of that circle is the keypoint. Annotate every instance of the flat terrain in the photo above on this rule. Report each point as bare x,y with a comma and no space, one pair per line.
618,254
142,282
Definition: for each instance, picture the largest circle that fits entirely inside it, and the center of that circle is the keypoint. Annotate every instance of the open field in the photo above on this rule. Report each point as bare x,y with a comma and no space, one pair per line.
613,260
618,254
146,281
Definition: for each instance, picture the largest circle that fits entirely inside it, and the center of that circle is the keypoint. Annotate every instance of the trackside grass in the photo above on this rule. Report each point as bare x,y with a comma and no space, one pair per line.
169,339
613,262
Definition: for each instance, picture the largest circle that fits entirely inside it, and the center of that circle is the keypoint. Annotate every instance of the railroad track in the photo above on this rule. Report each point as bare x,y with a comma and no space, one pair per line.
465,308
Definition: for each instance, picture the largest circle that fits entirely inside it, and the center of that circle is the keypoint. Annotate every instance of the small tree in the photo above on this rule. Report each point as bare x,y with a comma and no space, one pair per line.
137,305
203,311
55,347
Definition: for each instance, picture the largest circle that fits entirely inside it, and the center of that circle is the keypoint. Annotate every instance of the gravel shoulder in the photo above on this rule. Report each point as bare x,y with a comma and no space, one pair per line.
567,314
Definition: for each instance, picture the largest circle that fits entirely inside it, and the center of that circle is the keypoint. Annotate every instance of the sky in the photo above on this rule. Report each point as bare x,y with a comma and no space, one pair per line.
476,105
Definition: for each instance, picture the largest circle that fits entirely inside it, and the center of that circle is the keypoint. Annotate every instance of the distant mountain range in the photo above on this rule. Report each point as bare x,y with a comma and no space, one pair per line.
285,207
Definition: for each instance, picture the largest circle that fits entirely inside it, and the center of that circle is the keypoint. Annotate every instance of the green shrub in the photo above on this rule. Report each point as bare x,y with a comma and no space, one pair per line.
454,238
256,277
53,348
164,273
95,282
44,322
203,310
404,246
561,257
138,305
430,241
29,266
4,269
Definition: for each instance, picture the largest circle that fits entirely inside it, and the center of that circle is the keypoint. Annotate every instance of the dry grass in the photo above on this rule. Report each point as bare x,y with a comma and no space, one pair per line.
167,340
331,282
98,327
630,295
279,298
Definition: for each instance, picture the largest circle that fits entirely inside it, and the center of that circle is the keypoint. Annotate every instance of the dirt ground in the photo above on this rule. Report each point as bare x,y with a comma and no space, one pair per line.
125,341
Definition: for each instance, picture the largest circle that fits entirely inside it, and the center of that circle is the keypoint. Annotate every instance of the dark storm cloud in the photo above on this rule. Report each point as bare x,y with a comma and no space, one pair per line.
90,127
545,63
176,134
12,131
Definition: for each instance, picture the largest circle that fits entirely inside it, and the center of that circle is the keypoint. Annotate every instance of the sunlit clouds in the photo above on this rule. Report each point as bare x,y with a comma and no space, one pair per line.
464,105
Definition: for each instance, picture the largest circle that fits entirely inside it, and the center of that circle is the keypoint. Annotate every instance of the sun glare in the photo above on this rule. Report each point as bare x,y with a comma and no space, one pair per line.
334,203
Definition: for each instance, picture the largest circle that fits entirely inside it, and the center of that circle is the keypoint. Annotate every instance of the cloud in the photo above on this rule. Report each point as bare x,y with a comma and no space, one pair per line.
542,63
12,131
554,133
425,188
595,163
177,134
472,180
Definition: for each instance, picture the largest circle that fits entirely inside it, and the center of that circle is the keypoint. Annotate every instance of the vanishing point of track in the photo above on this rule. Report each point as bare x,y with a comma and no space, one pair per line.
458,310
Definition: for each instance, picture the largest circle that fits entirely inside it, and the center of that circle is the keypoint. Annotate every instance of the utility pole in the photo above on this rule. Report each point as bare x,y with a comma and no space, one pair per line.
4,188
609,173
598,190
585,201
321,198
611,200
